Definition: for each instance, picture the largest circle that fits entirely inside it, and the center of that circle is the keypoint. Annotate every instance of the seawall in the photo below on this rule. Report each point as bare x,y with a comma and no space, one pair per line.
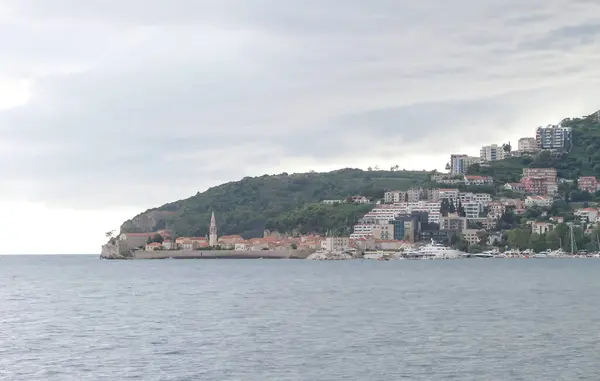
221,254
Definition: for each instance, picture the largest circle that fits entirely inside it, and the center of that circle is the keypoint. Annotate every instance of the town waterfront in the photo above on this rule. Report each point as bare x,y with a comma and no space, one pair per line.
77,318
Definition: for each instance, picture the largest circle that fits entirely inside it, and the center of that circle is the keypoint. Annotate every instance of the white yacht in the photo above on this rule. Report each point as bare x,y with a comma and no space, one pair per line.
434,251
557,253
376,255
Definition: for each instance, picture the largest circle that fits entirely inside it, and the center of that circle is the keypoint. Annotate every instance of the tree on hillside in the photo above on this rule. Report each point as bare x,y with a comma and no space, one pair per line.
448,167
509,220
461,244
444,207
483,237
507,147
451,207
372,193
109,234
244,207
461,209
519,238
158,238
149,240
533,212
537,242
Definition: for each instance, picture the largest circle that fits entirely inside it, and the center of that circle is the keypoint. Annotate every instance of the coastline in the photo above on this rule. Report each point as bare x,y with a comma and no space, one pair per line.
204,254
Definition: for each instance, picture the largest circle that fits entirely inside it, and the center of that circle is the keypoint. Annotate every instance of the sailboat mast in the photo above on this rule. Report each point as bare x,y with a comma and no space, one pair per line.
572,241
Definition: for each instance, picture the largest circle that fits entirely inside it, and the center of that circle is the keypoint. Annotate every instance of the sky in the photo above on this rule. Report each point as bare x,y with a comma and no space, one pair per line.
108,108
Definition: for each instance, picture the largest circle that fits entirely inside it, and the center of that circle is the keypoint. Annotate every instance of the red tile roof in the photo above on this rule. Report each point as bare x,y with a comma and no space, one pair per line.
231,237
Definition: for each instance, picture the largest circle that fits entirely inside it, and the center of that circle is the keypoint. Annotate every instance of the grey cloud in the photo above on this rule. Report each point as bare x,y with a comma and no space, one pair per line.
172,97
528,19
566,38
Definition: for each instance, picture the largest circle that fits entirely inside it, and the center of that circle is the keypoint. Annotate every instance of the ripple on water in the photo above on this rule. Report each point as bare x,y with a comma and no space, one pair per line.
297,320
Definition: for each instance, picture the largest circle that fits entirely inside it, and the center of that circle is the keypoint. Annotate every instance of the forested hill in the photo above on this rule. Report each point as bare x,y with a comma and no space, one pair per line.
248,206
581,158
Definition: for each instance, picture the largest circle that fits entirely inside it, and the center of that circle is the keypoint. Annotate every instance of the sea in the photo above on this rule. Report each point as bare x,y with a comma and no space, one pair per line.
81,318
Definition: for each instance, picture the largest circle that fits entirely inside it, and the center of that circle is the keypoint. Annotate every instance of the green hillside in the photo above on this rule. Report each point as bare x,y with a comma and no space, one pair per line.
249,206
320,218
582,157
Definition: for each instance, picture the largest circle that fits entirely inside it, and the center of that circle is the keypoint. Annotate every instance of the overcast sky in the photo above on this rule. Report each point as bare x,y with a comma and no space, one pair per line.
110,107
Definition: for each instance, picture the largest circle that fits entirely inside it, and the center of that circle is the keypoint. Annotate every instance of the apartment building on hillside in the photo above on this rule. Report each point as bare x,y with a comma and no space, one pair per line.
453,222
547,173
451,194
553,137
588,184
492,153
527,145
459,164
410,195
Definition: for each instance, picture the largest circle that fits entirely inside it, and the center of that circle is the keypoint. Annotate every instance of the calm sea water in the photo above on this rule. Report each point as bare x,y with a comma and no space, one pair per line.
79,318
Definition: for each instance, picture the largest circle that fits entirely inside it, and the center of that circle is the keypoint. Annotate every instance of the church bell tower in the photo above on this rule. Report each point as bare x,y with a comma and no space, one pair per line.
212,231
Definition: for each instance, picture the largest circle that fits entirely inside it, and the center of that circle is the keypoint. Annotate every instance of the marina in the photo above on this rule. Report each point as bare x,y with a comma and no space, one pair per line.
437,251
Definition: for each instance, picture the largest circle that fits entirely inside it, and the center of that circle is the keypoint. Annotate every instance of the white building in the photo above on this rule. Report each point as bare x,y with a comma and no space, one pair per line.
332,202
482,198
527,145
471,236
383,214
478,180
472,209
335,243
449,194
393,196
542,201
240,247
410,195
541,227
380,216
362,231
492,153
587,214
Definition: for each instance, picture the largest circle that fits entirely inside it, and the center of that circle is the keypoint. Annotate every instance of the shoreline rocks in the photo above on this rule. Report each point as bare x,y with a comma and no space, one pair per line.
329,257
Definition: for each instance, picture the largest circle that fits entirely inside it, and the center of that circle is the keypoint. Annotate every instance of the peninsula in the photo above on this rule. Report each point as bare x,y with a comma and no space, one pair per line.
542,196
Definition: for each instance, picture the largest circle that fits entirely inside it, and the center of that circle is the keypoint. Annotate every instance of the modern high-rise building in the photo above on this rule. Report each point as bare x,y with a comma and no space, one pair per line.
553,137
459,164
492,153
